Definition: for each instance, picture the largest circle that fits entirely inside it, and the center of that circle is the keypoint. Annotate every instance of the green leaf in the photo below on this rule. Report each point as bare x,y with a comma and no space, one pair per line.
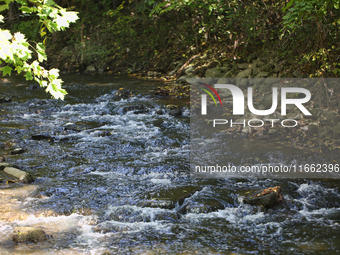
18,61
337,5
28,76
22,2
18,69
26,9
48,26
41,57
49,2
6,70
54,27
40,47
63,91
4,7
14,49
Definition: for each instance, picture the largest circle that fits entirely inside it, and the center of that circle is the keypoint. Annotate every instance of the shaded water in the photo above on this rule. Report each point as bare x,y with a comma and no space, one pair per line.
116,181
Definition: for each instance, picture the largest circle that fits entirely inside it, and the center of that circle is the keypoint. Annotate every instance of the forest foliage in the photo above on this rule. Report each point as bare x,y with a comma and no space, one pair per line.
22,56
158,34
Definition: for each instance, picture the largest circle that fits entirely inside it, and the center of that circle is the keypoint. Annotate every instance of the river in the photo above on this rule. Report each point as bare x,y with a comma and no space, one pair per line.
114,179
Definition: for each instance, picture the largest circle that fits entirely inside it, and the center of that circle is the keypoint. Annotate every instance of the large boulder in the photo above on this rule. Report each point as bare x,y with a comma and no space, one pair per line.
313,127
255,71
90,69
217,72
258,63
230,74
243,66
242,83
262,75
184,79
266,69
251,57
244,74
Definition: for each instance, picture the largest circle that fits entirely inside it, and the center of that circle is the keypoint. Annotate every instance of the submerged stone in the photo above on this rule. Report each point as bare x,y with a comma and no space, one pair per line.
169,198
137,109
32,86
164,204
204,206
102,133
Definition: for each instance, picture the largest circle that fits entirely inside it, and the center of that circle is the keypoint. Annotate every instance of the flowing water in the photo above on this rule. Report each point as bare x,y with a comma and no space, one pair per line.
114,178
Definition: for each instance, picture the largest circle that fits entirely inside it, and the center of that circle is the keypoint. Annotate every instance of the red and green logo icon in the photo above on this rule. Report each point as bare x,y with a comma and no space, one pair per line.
209,93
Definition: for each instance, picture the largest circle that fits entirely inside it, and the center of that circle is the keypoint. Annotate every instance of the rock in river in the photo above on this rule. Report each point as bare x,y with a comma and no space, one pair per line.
40,137
203,206
137,109
123,93
11,171
266,198
5,100
168,198
176,112
28,235
18,151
